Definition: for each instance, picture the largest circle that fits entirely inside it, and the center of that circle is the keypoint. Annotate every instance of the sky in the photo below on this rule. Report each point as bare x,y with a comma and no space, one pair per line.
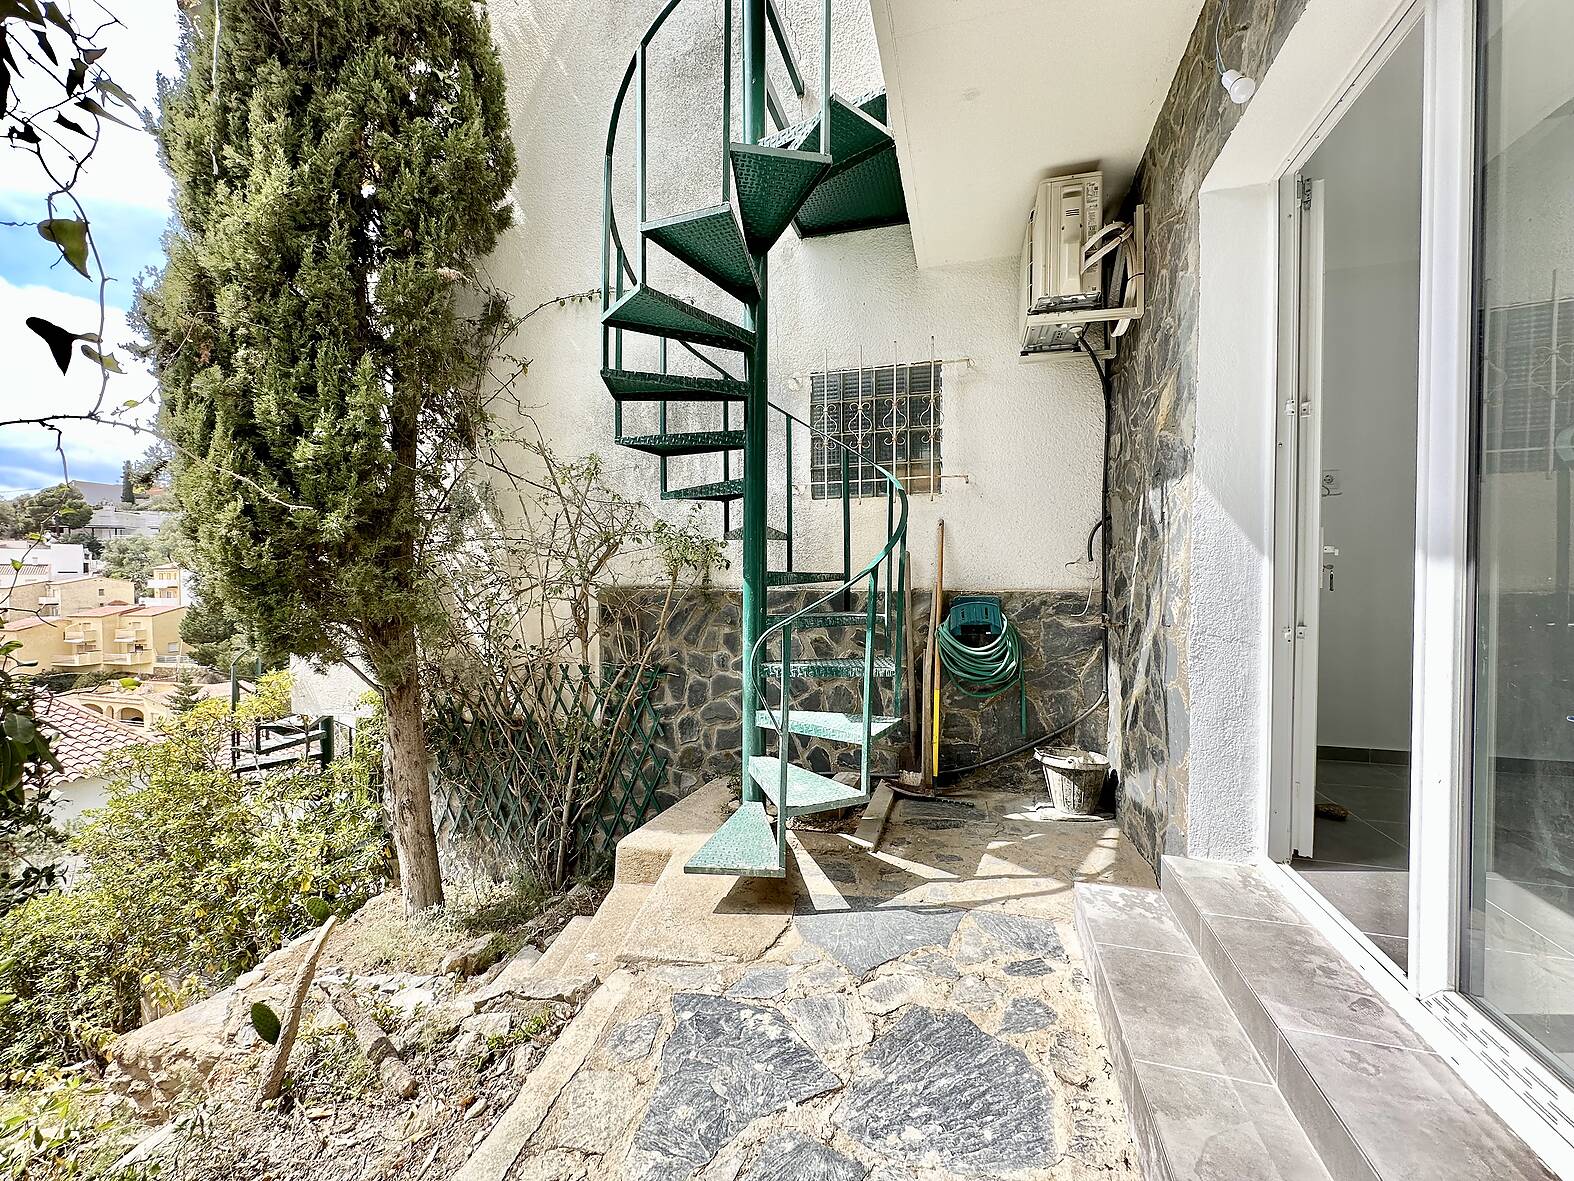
126,194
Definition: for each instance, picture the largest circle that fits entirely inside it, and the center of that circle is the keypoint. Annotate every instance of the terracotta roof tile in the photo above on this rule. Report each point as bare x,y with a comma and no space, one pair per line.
81,739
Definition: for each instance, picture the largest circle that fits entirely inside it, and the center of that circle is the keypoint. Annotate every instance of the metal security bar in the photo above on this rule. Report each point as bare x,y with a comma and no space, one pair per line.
1529,387
889,415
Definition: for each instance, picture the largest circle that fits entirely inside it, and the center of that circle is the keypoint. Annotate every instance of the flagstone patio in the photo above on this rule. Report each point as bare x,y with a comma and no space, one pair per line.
917,1012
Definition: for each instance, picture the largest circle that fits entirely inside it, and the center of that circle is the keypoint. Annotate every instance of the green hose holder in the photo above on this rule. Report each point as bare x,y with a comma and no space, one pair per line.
982,651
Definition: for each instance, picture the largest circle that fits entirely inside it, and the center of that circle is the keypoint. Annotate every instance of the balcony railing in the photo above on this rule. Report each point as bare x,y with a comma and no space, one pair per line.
78,659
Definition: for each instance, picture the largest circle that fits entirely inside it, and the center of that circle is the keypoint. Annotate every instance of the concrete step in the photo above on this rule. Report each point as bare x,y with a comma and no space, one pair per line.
1248,1047
601,940
558,959
1201,1102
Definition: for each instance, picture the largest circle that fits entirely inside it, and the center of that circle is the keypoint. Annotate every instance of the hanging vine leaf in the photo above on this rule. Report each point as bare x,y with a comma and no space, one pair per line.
94,107
72,126
114,90
104,360
56,337
70,235
76,75
43,43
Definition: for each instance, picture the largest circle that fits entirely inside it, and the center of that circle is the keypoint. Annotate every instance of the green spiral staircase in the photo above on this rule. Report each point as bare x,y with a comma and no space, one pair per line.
835,172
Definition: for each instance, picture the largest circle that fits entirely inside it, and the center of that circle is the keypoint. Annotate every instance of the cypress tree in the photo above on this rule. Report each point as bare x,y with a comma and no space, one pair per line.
337,172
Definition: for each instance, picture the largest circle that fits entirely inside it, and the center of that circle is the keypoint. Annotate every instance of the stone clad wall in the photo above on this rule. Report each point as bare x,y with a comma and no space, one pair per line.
698,699
1151,428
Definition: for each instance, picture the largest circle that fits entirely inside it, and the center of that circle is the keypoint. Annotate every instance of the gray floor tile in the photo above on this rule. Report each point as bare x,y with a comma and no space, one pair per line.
1377,901
1224,887
1221,1129
1362,774
1389,805
1131,917
1411,1115
1171,1012
1354,842
1304,983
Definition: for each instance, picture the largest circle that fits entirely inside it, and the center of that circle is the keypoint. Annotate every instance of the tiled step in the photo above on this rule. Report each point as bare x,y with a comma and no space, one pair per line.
658,314
710,241
835,727
807,791
884,666
721,490
1370,1095
745,846
629,385
1202,1104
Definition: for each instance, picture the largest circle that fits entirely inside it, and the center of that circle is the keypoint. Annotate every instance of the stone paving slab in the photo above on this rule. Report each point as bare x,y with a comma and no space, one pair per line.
929,1023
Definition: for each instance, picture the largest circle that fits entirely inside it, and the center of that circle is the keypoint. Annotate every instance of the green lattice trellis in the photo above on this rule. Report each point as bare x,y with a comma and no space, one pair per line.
505,759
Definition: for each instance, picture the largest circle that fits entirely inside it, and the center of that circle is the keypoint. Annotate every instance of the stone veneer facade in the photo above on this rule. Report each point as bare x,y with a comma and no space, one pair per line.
698,698
1151,427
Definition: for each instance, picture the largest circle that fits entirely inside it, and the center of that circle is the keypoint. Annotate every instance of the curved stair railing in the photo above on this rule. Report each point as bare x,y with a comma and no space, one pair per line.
767,184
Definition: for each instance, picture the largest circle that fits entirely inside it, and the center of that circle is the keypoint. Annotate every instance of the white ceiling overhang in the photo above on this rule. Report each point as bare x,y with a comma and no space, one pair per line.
988,97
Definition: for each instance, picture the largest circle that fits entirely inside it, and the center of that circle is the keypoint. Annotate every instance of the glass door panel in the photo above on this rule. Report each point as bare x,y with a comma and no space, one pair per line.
1520,943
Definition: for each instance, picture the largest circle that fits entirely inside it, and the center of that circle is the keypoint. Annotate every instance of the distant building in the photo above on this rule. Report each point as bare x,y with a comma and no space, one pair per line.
168,586
81,739
59,597
99,495
56,558
109,523
115,638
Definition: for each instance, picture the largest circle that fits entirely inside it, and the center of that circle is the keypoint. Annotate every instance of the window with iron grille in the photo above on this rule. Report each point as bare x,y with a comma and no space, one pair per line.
889,415
1528,387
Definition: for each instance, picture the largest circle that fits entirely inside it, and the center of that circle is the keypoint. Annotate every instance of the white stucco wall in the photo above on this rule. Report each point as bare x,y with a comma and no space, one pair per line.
1028,436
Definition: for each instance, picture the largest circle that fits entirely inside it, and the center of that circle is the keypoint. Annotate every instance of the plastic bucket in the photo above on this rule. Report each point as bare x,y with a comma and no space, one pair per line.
1075,778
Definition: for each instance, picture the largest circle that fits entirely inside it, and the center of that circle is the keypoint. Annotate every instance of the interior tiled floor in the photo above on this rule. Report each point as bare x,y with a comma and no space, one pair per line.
1361,865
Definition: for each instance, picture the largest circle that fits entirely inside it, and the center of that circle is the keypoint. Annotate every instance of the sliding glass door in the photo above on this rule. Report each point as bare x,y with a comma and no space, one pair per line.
1519,948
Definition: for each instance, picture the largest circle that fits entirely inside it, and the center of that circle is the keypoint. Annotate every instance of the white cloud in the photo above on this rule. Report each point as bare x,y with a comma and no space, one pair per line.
33,387
125,166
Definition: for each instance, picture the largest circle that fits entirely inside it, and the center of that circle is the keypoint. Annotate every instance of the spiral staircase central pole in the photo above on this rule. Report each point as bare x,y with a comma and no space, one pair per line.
754,420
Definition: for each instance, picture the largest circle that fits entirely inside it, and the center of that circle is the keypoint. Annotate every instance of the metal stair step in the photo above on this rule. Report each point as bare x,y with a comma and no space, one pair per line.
866,194
685,443
771,534
721,490
630,385
745,846
656,313
800,577
825,619
771,183
874,105
836,727
853,666
710,241
853,132
807,791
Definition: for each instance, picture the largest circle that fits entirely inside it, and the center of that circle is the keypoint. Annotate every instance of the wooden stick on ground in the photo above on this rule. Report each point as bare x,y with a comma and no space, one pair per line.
273,1078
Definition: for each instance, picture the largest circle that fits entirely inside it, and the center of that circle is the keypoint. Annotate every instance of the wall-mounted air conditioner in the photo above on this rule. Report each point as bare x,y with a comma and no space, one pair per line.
1075,266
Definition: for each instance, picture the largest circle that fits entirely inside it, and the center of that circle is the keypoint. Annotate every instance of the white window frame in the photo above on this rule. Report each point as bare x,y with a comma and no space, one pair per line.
1430,993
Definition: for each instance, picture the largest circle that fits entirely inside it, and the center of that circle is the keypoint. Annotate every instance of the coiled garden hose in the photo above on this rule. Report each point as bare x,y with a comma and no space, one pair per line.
988,670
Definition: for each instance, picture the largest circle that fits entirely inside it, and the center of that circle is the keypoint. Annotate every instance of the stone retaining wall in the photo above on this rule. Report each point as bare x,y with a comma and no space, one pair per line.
698,699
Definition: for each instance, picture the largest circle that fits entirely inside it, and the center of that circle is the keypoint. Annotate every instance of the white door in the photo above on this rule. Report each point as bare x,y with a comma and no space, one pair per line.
1314,558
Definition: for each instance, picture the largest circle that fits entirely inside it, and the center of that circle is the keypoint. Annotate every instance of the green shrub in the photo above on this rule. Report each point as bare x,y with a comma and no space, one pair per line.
186,871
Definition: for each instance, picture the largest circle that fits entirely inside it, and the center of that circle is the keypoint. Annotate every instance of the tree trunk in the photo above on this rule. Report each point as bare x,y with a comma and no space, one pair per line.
409,788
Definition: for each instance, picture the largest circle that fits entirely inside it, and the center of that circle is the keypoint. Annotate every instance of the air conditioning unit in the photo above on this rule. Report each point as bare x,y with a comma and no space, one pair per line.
1070,259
